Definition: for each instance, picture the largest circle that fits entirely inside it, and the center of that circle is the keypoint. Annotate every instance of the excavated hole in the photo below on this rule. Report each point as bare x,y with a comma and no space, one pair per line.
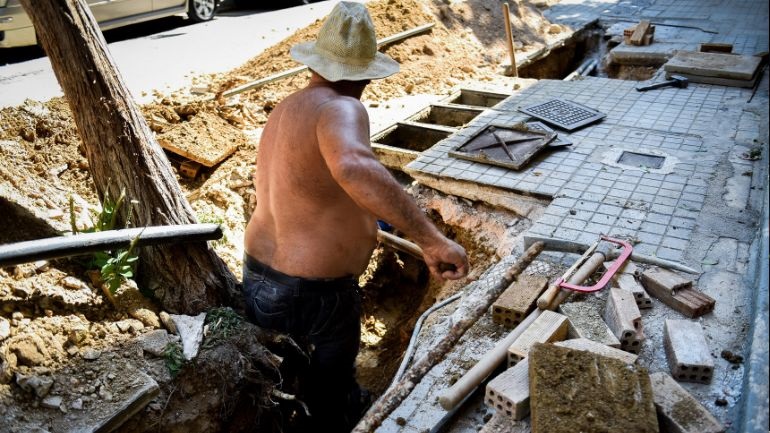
411,137
446,115
397,288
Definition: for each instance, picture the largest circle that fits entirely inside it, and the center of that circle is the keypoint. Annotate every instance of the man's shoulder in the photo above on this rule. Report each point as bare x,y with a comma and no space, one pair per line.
337,102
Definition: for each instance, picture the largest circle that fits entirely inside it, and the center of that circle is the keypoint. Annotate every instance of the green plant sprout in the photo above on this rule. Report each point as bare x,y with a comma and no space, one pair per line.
174,357
114,266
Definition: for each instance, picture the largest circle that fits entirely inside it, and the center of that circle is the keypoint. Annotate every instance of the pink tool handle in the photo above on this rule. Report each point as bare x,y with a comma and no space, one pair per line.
627,249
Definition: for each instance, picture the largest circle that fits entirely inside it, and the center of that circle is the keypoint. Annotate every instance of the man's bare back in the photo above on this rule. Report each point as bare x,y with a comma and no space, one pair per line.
304,223
320,190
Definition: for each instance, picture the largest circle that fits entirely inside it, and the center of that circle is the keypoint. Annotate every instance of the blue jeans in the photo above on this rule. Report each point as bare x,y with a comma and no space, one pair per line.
324,316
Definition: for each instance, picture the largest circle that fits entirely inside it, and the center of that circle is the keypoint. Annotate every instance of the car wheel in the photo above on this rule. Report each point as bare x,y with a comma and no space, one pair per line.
202,10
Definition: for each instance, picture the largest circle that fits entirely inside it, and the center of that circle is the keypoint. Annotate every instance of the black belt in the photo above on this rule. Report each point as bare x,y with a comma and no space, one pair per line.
342,283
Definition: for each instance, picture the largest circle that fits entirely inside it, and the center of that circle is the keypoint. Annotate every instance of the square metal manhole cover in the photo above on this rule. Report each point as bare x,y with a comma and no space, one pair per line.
633,159
564,114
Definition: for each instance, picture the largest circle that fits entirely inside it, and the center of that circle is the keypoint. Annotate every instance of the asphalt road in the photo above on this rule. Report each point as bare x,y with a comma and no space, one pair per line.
164,54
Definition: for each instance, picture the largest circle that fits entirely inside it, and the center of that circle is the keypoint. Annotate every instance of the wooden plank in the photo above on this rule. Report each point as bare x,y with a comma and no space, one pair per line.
678,411
637,38
547,328
206,139
738,67
687,352
687,301
518,300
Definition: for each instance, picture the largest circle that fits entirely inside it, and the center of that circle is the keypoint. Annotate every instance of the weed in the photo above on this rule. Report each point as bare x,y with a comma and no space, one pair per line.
174,357
114,266
121,266
222,323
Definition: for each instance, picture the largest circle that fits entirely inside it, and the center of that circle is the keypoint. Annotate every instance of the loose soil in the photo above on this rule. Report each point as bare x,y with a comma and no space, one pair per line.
57,326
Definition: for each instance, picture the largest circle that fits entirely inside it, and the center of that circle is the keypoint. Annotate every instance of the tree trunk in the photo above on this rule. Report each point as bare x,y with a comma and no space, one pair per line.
122,153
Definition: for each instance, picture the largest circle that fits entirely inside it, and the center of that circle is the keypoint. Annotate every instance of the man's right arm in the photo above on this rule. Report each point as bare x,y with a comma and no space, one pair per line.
343,136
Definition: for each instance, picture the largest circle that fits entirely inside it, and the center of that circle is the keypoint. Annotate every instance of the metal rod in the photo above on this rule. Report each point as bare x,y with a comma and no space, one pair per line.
52,248
275,77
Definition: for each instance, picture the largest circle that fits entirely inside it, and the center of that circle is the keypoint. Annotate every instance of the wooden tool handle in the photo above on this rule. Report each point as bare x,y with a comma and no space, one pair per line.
547,297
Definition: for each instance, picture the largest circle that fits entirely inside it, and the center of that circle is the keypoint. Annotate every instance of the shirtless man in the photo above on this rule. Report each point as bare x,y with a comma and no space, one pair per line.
320,190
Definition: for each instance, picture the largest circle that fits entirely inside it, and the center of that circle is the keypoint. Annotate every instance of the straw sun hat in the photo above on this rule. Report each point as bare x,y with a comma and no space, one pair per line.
346,47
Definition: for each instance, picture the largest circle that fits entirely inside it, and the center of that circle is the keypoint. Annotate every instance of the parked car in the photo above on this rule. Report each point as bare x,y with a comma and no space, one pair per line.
16,28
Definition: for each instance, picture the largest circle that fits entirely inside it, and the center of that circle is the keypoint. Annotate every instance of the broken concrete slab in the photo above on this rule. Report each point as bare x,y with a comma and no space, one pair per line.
190,329
648,55
687,352
585,321
717,81
573,390
678,411
547,328
518,300
720,65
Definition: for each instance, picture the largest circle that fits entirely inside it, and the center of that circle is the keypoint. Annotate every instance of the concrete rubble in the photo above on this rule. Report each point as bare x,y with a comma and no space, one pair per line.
190,330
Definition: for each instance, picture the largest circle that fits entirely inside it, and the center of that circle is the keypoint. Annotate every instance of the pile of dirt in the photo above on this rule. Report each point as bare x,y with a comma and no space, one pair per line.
467,42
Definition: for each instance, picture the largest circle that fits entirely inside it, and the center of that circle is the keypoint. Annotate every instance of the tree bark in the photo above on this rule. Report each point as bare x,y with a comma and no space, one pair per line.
122,153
